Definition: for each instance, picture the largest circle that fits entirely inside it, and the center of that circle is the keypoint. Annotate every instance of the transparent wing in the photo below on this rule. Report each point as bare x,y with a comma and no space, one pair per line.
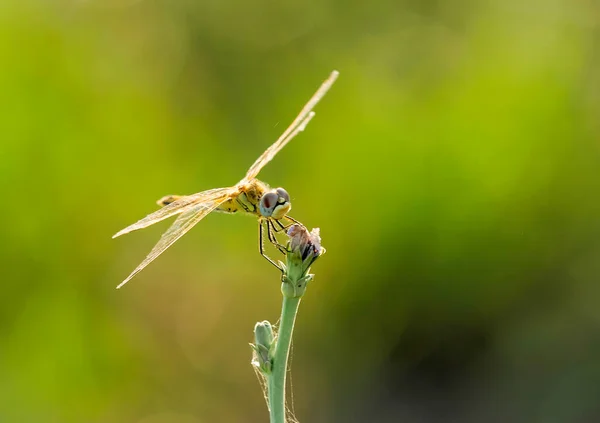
180,227
298,125
178,207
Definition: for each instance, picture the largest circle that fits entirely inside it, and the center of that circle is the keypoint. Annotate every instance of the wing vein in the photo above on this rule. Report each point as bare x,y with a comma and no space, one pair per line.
296,126
180,227
177,207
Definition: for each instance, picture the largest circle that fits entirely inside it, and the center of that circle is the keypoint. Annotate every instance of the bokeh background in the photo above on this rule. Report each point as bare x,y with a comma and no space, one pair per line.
453,170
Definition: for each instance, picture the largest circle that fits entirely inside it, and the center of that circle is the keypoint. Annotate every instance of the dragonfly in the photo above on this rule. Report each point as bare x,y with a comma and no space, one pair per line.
249,196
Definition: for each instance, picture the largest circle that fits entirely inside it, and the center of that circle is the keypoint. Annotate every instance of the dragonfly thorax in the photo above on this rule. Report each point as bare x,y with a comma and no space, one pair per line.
257,198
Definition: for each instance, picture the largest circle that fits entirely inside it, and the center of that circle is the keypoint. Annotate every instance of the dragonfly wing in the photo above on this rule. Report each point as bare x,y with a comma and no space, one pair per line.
180,227
177,207
298,125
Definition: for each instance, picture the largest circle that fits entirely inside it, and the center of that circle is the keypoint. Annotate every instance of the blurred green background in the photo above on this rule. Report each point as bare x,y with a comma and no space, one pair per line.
453,170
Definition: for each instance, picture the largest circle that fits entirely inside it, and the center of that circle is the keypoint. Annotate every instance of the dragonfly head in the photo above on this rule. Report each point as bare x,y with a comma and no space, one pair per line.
275,204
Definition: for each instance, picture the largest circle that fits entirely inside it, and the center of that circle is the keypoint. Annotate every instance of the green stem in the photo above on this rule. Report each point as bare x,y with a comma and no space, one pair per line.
276,379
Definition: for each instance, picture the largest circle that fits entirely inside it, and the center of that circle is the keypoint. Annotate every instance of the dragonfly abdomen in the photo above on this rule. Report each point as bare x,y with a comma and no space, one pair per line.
168,199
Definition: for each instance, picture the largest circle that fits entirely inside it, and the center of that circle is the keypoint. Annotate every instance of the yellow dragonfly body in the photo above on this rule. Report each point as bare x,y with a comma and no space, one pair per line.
246,200
249,196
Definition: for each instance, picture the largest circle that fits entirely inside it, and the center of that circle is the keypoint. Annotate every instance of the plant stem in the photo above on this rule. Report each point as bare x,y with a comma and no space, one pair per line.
270,352
276,380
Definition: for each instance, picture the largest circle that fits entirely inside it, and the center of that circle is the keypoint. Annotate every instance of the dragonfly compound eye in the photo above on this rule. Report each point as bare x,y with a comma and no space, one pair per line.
283,194
268,203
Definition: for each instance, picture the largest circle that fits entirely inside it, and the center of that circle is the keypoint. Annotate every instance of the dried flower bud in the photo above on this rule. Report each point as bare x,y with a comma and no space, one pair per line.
306,245
303,249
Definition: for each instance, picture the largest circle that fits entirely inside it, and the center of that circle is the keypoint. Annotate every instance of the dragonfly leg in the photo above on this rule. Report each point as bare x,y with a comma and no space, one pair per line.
282,226
270,232
293,220
261,246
